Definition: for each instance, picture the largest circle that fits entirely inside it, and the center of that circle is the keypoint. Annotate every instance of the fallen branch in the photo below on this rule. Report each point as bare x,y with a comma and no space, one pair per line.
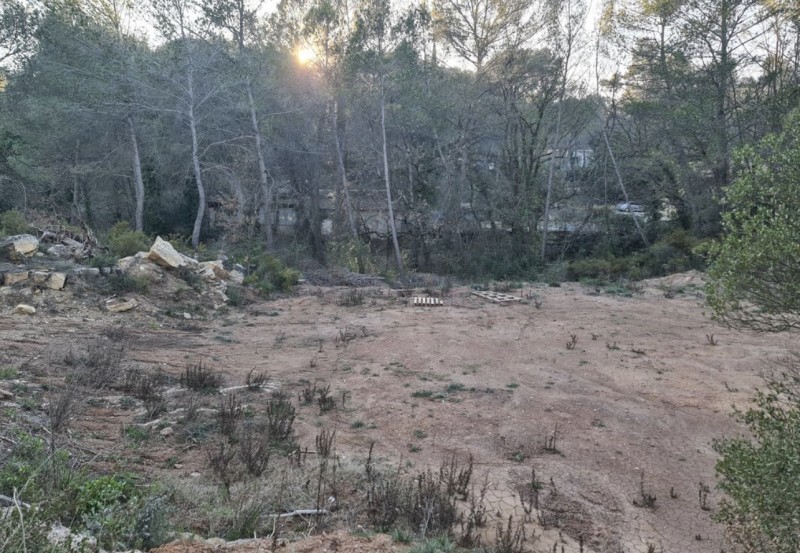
13,502
301,512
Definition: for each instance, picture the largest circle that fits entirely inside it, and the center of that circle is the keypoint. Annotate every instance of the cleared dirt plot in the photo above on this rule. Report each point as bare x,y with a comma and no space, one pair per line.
601,406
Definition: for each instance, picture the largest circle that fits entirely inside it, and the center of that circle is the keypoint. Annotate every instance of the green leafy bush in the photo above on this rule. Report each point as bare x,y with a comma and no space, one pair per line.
759,475
124,241
121,283
13,222
270,274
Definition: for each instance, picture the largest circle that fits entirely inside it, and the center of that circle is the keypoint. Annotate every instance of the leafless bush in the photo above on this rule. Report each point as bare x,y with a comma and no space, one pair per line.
98,366
325,401
510,538
200,378
280,420
572,342
60,409
221,458
256,380
146,387
306,396
254,448
324,442
228,416
645,499
456,476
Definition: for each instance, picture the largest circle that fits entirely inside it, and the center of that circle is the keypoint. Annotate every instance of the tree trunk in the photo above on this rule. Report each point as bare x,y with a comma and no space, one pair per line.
266,189
393,228
348,205
198,173
138,219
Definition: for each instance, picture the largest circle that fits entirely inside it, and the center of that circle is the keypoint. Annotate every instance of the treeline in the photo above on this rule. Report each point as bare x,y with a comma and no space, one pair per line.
459,136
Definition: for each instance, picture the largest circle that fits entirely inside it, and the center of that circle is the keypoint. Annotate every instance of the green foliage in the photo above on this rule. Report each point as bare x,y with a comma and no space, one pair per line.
754,275
121,283
104,491
268,274
13,222
124,241
759,476
672,254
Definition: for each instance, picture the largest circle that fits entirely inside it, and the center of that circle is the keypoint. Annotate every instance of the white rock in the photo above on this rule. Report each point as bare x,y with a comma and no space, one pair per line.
59,250
212,270
56,281
121,306
24,309
21,245
167,432
237,276
164,254
186,315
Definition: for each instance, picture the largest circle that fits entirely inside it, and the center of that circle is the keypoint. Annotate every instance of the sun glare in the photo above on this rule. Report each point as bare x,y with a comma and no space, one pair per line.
305,55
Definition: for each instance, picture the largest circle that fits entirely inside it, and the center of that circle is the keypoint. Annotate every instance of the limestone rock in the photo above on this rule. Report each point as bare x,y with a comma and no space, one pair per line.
237,276
213,270
92,271
56,281
24,309
60,251
39,277
10,279
5,395
167,432
20,246
126,263
164,254
121,306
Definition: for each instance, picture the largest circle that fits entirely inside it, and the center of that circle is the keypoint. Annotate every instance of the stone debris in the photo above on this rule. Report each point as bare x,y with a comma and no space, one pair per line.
9,279
20,246
24,309
56,281
121,306
162,253
5,395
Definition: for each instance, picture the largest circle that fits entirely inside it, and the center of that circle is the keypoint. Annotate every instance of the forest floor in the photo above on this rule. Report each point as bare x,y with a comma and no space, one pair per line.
610,399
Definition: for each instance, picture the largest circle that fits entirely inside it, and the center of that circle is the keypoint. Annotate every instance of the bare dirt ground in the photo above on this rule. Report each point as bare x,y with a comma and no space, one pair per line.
633,403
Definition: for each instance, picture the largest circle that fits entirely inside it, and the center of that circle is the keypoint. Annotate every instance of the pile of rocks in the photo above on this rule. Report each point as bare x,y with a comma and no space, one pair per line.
154,266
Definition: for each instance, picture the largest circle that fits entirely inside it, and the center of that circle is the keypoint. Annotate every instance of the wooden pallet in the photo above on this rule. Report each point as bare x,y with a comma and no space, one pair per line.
496,297
426,302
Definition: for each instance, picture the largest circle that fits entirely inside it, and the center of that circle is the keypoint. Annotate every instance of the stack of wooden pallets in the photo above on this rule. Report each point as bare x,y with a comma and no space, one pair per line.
418,301
496,297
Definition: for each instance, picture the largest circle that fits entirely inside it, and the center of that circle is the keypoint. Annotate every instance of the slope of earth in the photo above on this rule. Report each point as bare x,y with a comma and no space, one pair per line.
613,401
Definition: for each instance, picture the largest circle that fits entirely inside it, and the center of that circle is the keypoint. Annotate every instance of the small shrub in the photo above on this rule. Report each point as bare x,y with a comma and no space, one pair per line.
123,241
8,373
190,277
280,420
200,379
98,366
255,381
13,222
236,297
228,416
254,448
121,283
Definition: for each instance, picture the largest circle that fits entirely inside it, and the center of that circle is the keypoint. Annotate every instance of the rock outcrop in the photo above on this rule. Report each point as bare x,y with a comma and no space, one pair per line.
20,247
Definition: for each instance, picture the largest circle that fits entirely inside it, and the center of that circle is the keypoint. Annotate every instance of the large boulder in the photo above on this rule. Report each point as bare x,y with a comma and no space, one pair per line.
20,246
162,253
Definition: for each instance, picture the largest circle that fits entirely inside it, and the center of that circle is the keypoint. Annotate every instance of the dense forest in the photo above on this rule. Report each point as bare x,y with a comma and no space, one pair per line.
474,137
